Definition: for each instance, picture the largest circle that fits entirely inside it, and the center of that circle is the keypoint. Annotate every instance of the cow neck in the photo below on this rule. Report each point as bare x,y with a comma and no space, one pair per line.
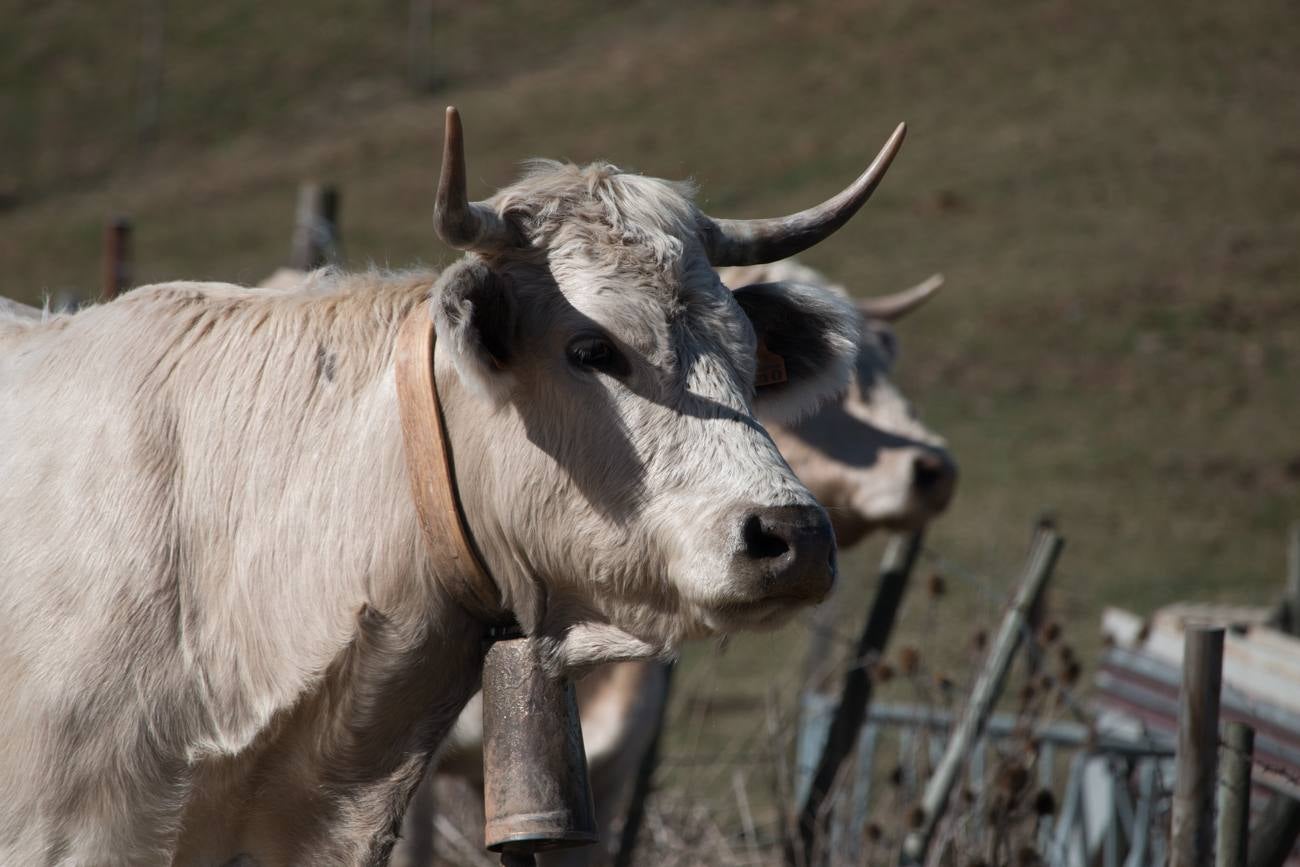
455,559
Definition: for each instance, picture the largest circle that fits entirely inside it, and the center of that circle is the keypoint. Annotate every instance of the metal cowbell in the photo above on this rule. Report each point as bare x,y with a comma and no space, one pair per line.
536,793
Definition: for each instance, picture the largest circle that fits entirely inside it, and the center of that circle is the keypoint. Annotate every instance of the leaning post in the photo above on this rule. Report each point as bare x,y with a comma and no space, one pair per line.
1191,836
1042,560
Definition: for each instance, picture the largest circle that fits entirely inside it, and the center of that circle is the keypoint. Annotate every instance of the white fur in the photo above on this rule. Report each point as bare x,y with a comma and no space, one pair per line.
221,634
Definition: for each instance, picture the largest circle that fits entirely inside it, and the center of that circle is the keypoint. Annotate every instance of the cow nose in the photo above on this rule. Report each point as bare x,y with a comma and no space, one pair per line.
934,478
790,551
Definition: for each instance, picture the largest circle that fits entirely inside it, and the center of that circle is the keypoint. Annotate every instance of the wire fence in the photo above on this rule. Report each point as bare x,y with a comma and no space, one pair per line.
1047,779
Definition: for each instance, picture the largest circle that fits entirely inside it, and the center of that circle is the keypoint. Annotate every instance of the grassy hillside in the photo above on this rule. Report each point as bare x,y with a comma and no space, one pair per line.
1112,189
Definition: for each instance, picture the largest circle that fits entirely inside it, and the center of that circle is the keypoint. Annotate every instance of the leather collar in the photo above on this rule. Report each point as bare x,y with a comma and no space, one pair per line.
456,561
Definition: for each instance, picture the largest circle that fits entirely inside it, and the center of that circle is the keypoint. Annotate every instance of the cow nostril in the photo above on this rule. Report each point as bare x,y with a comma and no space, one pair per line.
927,471
760,544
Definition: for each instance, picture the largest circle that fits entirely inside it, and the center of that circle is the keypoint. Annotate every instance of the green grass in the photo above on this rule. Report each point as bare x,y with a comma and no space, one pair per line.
1113,190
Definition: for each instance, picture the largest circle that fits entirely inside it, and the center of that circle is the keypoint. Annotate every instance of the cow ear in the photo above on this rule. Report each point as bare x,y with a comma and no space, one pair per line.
888,341
474,314
807,343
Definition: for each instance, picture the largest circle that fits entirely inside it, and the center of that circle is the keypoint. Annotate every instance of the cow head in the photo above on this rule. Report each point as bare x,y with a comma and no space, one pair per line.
867,457
601,397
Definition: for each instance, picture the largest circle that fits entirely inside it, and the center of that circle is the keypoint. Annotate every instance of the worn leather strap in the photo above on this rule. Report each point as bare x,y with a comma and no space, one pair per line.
433,477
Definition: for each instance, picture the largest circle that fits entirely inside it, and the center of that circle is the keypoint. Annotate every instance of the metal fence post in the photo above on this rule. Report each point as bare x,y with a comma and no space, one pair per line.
1142,817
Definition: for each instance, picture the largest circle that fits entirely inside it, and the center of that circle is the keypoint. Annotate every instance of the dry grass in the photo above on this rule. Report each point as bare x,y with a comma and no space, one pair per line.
730,803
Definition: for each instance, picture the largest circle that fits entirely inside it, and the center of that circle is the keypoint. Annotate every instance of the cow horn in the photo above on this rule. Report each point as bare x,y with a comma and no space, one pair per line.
754,242
460,223
896,306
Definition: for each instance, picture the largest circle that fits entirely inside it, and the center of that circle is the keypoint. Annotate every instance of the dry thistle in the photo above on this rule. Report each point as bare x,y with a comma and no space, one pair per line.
1070,673
1045,803
909,660
883,672
937,585
916,817
873,833
1028,857
896,776
1051,631
980,640
1012,777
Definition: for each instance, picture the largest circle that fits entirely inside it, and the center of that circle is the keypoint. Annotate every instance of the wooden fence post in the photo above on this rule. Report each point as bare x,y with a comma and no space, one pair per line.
1191,837
315,231
1042,559
855,696
1234,796
116,259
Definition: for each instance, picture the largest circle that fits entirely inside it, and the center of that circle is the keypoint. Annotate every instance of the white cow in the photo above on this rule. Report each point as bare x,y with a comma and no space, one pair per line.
866,457
222,635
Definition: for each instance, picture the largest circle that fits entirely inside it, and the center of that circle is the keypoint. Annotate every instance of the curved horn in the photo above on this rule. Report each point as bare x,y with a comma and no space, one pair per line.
460,223
753,242
896,306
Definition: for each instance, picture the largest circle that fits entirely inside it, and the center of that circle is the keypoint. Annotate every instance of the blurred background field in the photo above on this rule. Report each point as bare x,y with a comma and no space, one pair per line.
1112,190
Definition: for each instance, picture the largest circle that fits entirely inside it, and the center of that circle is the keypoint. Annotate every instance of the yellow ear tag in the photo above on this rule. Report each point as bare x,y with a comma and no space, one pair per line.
770,369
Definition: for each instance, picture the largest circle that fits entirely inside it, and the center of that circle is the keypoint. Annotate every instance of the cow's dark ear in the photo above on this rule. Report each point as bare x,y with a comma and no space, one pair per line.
807,342
474,314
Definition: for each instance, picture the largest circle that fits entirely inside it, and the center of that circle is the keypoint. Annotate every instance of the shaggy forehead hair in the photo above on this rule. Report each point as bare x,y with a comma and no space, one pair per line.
620,220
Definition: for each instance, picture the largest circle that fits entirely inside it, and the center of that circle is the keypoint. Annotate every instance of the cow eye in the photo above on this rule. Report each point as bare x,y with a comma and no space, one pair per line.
597,353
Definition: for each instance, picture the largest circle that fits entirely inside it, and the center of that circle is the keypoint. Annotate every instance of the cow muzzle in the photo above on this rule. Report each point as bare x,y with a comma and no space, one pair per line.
934,479
786,554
